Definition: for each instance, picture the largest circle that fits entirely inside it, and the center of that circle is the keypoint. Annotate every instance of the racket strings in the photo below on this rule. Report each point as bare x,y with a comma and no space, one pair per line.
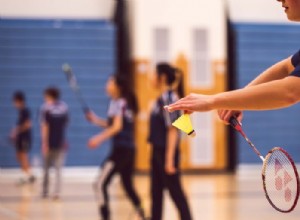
280,180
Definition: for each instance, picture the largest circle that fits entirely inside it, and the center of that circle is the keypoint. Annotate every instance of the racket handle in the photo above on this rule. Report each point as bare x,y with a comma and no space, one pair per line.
86,110
235,123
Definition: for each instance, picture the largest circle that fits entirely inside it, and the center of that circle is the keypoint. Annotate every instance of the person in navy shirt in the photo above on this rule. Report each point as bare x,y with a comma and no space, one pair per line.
22,136
277,87
164,139
120,128
54,120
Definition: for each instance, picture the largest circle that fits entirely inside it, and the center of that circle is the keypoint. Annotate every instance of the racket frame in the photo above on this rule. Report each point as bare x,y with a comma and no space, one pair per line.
264,179
238,127
71,78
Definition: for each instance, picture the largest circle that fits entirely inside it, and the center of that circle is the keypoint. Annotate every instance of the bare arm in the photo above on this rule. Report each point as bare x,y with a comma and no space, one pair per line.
110,131
279,70
45,137
24,127
266,96
172,137
96,120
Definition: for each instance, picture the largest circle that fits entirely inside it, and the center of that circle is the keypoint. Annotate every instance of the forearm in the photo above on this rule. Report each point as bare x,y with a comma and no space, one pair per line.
171,144
24,127
107,133
44,134
266,96
279,70
101,122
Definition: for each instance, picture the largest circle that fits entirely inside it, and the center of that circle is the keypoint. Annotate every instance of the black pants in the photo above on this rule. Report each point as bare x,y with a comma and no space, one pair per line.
160,180
120,161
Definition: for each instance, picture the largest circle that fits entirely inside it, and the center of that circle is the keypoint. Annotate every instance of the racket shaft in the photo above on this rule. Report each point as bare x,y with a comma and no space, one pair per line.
238,127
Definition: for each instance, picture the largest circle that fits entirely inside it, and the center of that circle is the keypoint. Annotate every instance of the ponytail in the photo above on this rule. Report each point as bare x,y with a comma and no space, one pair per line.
178,85
127,92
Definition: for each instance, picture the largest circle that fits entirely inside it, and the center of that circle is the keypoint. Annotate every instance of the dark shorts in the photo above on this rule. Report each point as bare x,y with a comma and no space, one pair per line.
23,145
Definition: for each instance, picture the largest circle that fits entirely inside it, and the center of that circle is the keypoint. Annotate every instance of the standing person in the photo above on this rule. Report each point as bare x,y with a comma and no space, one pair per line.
119,127
21,135
164,138
54,119
275,88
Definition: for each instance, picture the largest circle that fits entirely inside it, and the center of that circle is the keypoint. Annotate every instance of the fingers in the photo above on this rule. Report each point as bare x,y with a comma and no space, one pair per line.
184,106
225,115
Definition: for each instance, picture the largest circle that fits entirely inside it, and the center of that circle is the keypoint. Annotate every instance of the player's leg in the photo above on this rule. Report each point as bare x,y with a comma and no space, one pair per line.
157,184
46,167
173,184
58,164
25,162
126,170
101,186
23,146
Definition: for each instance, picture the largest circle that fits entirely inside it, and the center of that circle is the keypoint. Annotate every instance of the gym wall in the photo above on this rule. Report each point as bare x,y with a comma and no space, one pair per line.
36,38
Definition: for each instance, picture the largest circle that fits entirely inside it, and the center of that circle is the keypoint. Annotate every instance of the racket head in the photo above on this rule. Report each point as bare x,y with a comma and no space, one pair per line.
70,76
280,180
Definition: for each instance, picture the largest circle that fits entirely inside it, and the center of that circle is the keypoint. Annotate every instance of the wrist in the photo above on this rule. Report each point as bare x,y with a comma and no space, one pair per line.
213,101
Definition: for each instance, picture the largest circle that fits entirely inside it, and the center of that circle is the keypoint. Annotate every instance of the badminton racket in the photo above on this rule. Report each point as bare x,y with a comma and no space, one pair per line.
279,175
71,78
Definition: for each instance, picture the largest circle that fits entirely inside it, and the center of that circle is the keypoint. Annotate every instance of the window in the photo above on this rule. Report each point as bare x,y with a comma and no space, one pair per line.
200,65
161,45
202,146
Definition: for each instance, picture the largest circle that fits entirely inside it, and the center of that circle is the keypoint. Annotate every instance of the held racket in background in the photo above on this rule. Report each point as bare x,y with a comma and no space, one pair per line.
75,87
279,175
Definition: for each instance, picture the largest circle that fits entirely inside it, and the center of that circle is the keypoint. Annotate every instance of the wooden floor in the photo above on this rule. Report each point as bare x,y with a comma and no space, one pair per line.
211,197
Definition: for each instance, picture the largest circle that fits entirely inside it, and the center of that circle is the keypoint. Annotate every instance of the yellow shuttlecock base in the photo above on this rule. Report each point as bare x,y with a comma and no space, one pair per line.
184,123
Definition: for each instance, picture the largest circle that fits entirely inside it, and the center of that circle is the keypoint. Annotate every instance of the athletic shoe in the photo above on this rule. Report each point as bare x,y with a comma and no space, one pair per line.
141,213
32,179
21,182
104,213
56,198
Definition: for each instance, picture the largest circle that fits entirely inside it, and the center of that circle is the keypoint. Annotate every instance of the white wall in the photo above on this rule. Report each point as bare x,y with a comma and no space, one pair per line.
181,17
89,9
256,11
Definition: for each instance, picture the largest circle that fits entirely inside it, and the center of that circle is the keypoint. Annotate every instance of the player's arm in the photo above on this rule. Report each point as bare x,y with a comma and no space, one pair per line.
172,137
24,126
25,122
266,96
44,137
278,71
96,120
113,129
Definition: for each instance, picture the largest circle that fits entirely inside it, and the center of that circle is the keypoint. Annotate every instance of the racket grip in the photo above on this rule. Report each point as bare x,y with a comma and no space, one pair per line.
235,123
86,109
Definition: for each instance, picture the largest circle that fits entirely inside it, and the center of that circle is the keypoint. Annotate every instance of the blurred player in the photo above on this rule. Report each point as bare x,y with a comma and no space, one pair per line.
119,127
54,119
21,135
164,138
277,87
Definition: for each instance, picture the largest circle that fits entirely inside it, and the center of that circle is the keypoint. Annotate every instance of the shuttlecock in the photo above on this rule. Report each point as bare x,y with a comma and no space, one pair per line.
184,123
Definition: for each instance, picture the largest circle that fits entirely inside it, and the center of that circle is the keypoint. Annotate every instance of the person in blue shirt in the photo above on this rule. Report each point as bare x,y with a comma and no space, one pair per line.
22,136
120,128
54,119
277,87
165,139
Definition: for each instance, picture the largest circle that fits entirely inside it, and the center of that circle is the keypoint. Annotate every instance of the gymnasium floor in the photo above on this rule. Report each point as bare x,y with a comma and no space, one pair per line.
212,197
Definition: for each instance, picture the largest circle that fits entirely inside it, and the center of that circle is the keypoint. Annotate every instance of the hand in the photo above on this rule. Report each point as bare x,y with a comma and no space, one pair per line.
225,115
13,134
90,116
45,149
95,141
169,167
192,103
